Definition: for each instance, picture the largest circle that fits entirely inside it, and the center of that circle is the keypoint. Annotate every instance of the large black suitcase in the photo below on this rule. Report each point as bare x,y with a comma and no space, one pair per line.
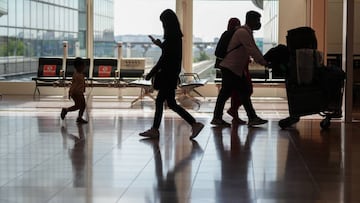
301,37
298,38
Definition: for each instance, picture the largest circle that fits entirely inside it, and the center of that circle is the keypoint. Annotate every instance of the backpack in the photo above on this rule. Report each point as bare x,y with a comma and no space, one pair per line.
222,45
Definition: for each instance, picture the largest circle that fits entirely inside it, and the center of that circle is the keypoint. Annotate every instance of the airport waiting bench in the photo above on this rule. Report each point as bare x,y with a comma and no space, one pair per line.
189,82
105,73
70,69
187,88
50,74
261,76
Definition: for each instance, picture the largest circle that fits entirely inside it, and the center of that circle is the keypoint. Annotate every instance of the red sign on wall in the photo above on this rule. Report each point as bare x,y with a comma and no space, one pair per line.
49,70
104,71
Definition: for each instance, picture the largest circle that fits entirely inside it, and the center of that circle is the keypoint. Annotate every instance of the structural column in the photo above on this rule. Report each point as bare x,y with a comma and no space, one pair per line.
90,29
318,21
184,11
347,55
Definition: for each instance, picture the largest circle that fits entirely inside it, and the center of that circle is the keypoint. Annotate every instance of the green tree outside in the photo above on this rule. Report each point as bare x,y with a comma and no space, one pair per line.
202,57
12,48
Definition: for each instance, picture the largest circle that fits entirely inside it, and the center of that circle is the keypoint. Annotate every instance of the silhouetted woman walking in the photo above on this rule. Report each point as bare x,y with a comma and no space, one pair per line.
165,75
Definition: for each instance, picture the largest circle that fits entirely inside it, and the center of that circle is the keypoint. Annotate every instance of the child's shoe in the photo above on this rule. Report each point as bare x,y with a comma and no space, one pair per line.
81,121
151,133
196,128
63,113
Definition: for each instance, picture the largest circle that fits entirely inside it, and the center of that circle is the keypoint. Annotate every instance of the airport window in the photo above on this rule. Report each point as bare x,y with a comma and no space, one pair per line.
12,14
208,27
26,14
39,16
144,21
41,27
30,29
20,11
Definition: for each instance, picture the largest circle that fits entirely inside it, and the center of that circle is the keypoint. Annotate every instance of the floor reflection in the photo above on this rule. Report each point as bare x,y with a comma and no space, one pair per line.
77,154
166,187
236,166
44,159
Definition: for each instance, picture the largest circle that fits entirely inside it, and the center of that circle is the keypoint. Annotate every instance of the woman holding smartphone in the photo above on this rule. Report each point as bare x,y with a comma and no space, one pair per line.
166,73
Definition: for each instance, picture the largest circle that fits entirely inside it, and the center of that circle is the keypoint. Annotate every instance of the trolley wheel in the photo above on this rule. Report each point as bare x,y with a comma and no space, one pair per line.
325,123
286,122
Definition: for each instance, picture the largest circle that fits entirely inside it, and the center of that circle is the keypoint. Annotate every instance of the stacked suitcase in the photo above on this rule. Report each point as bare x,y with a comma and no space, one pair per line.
311,87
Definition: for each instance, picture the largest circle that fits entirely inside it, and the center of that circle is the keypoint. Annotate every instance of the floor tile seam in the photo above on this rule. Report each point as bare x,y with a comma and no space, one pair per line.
135,178
199,165
54,196
103,156
253,177
21,174
306,166
24,146
114,146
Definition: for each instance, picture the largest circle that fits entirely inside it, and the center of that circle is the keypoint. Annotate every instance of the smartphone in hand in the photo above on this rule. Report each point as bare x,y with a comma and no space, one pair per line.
151,37
155,41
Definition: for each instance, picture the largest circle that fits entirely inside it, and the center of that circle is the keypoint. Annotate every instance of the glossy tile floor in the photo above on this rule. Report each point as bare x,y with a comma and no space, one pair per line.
44,159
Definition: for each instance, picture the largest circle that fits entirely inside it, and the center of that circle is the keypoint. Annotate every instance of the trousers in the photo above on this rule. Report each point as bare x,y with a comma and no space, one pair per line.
168,95
232,82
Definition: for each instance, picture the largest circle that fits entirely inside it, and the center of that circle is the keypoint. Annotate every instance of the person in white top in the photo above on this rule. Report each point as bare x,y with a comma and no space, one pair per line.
234,67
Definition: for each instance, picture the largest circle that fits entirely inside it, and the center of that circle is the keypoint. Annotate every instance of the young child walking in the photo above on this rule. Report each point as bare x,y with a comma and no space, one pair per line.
76,91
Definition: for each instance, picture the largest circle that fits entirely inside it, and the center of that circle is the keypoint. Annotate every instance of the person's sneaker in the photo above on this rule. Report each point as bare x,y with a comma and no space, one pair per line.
256,121
151,133
81,121
239,121
63,113
196,128
220,122
232,113
236,118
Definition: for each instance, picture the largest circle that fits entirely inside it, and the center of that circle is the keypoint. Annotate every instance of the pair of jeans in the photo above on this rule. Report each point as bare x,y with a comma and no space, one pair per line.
168,95
232,82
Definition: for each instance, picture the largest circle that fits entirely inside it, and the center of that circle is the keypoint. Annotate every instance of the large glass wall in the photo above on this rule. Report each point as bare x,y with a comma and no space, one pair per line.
30,29
270,24
210,21
104,41
134,21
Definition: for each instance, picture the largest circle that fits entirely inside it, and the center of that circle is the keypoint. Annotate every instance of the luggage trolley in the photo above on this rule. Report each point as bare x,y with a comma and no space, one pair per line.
323,97
311,88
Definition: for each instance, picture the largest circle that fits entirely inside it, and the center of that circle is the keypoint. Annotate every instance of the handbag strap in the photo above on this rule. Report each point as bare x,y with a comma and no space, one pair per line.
230,51
233,48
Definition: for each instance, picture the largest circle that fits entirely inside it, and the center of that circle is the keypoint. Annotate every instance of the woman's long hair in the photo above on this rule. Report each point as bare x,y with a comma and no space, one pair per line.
171,24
